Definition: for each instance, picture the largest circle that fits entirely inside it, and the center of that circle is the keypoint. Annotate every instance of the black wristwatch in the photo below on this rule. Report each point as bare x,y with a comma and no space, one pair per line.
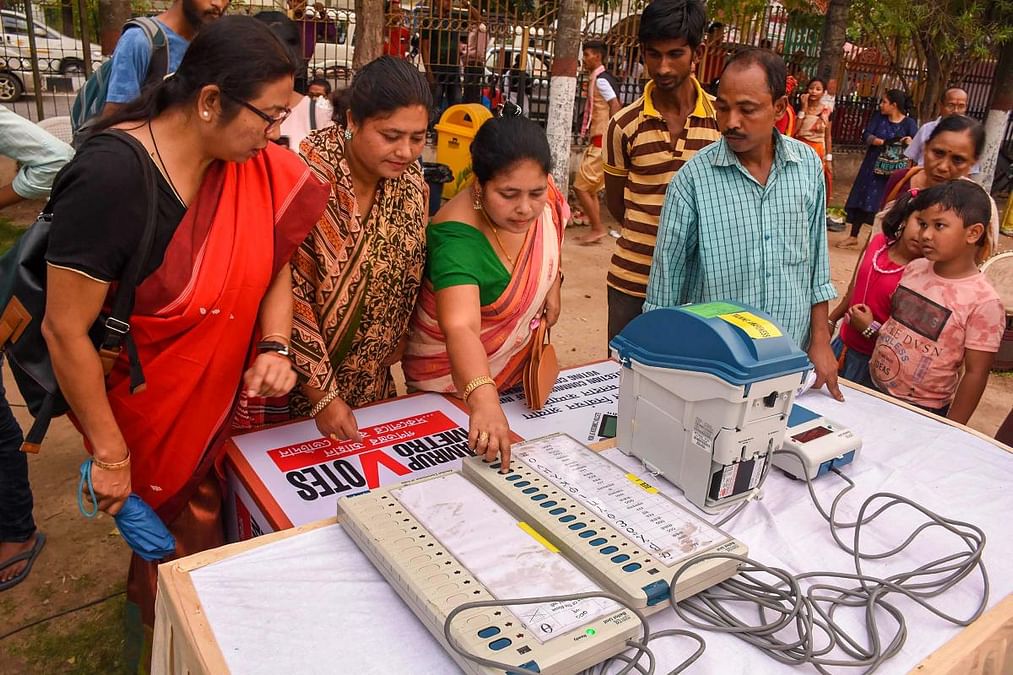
277,347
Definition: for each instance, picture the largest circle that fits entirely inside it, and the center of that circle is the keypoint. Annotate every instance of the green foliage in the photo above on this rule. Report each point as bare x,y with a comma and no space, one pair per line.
88,643
941,36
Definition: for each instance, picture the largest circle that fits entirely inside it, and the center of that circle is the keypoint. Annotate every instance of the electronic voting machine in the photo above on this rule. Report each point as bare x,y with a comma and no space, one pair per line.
704,396
563,521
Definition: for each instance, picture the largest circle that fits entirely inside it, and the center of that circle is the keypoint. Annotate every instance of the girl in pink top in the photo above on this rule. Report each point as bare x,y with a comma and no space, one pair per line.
866,305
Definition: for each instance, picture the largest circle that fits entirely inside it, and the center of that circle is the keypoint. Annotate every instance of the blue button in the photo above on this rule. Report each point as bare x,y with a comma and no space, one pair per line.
598,542
567,519
621,558
632,567
586,533
522,483
554,512
502,643
530,490
514,476
539,497
609,550
578,526
767,237
488,632
548,505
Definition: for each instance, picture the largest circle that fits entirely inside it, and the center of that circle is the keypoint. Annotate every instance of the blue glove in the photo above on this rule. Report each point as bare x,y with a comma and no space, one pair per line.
140,526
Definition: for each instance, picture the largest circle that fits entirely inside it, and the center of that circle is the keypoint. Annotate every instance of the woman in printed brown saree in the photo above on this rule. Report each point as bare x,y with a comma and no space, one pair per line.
357,276
493,270
231,207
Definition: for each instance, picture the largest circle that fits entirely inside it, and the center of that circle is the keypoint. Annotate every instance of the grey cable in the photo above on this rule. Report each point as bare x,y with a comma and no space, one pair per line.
809,617
783,608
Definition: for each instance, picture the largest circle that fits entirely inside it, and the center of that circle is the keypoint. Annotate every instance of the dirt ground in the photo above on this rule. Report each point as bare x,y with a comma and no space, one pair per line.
85,560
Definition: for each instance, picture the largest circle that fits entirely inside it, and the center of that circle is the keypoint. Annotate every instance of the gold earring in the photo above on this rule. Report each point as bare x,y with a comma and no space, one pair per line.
476,197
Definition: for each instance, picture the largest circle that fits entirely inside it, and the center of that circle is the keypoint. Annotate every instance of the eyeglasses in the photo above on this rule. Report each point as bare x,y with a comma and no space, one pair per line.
272,122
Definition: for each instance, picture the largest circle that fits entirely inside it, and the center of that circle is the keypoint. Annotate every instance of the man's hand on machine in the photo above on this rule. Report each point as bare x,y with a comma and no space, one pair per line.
825,364
488,431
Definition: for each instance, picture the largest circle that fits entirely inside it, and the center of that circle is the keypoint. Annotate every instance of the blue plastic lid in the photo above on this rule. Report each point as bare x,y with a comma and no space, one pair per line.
736,342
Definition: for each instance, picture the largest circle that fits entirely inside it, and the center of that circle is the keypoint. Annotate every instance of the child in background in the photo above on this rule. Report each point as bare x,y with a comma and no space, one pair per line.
944,314
866,305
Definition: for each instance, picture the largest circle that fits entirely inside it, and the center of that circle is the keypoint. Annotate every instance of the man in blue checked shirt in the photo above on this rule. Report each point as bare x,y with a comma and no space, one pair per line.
745,219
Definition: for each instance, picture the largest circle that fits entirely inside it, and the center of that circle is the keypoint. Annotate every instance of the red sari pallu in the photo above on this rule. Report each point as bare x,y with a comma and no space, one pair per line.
194,319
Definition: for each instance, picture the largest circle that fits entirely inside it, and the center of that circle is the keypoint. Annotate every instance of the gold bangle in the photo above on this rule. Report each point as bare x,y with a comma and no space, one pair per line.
323,403
475,384
113,466
286,338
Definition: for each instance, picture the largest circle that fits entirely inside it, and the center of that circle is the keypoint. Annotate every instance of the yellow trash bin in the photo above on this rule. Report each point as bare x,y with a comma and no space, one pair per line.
455,131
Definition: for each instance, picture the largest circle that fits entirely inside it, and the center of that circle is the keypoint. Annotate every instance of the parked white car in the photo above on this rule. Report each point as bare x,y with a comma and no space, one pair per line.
332,50
57,54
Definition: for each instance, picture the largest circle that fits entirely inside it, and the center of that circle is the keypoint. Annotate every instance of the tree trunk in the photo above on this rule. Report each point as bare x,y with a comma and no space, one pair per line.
998,115
67,18
835,28
563,90
112,14
369,24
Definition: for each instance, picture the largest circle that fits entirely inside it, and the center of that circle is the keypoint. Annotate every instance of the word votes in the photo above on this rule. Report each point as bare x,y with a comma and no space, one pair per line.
360,471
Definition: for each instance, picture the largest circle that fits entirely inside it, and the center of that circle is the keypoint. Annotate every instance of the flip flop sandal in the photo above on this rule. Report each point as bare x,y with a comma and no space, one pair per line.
29,555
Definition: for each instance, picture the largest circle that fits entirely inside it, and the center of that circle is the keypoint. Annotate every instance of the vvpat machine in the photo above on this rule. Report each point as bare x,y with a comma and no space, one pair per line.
704,396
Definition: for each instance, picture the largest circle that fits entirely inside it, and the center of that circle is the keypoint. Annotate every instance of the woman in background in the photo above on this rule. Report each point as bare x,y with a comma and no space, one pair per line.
889,131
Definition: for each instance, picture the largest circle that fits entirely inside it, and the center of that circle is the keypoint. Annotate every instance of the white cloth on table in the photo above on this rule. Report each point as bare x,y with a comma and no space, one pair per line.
314,604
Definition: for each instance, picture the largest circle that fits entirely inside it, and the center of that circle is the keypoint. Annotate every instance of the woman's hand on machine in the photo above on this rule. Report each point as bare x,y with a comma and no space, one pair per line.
337,421
488,431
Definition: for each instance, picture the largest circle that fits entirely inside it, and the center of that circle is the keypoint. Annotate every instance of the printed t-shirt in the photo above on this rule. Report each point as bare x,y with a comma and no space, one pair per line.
933,320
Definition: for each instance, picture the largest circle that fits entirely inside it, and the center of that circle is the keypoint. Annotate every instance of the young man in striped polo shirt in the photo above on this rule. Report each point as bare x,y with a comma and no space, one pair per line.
745,220
648,141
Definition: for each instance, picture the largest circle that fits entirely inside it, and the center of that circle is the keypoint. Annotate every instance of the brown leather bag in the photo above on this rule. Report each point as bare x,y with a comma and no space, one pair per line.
542,368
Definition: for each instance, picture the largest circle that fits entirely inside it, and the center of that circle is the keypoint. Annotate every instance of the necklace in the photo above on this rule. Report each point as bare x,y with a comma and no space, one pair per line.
165,170
875,263
496,234
498,241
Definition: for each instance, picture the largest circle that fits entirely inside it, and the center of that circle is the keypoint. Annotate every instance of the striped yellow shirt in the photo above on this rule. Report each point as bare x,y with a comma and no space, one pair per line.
639,147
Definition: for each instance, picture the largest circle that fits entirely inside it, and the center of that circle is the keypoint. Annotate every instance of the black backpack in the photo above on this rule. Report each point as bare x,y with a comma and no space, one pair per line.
23,298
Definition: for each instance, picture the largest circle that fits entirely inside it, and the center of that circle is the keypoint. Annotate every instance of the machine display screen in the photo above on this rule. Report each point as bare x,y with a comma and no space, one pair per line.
811,434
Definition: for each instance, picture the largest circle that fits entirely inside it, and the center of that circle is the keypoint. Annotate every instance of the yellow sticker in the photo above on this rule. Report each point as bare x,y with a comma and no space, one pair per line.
537,537
754,326
641,483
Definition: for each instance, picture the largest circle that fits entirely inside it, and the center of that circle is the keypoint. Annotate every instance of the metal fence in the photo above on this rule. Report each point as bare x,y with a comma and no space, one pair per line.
480,52
42,56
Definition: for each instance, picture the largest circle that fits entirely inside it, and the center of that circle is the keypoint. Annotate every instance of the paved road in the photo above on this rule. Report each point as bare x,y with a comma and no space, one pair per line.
53,105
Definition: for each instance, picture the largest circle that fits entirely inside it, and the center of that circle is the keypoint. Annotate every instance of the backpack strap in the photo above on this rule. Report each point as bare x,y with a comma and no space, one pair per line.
116,333
158,65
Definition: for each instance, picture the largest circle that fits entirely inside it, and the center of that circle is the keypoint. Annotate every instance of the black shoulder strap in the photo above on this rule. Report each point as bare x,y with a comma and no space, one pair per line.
613,82
117,324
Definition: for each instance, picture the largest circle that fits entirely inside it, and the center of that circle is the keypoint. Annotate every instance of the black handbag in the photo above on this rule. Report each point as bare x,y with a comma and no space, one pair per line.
23,298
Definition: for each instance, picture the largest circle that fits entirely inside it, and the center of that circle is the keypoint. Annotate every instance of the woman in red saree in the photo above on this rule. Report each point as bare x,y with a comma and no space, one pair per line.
231,208
493,269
